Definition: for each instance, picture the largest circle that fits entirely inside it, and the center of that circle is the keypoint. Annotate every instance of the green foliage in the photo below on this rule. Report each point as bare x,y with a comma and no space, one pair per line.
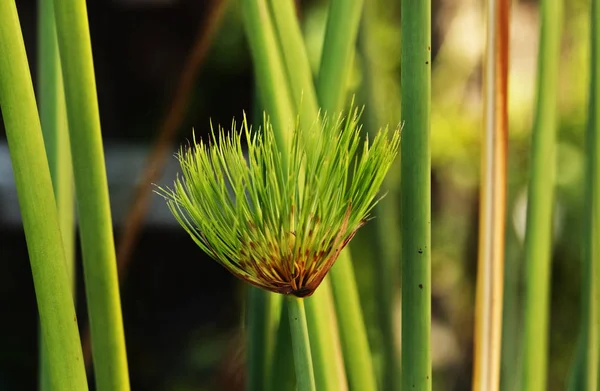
257,221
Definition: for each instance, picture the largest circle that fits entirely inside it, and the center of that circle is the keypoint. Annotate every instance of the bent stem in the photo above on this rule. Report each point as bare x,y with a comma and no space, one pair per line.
305,377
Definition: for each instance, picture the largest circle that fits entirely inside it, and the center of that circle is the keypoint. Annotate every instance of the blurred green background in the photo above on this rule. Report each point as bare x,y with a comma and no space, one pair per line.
182,311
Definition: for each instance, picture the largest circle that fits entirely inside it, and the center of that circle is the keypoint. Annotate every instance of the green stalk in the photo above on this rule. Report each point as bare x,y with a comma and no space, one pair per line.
386,252
324,340
343,21
415,200
58,319
538,236
355,345
305,378
99,261
283,375
263,309
274,96
338,50
268,68
296,60
53,116
586,364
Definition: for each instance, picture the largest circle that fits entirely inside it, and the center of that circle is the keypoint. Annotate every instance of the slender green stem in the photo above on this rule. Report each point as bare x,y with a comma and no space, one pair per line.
305,378
415,202
586,365
268,68
353,335
53,116
38,209
386,252
341,31
324,340
263,316
338,50
283,375
274,96
99,261
538,236
296,60
325,348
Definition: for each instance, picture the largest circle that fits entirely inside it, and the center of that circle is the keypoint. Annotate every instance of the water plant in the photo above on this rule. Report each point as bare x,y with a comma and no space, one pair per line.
256,219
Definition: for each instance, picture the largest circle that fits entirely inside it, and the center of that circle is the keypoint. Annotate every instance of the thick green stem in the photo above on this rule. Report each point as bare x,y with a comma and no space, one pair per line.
99,260
353,335
53,116
343,21
338,50
305,378
415,205
325,346
268,68
274,96
58,320
263,316
296,61
283,375
324,340
538,236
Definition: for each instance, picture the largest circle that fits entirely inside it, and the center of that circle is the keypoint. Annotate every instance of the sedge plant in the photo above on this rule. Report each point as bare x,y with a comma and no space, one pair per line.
93,206
584,374
415,202
540,202
53,117
58,321
254,217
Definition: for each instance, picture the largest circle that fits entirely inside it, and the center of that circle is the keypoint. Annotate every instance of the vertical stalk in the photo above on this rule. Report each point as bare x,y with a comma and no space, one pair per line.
585,372
488,321
296,61
343,21
53,116
274,96
386,252
415,202
38,209
324,340
263,309
338,50
283,376
99,261
538,236
305,378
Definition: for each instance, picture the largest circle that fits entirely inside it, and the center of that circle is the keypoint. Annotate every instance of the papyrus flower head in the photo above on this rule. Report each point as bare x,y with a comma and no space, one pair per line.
275,218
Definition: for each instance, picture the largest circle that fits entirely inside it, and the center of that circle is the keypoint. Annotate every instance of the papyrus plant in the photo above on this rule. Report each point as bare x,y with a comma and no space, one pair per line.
253,215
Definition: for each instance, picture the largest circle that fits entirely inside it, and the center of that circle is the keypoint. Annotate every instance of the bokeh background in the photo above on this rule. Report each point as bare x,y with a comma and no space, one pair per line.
182,312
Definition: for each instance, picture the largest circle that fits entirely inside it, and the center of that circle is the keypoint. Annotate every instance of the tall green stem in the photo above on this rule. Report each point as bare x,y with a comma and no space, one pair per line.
99,261
324,340
263,310
415,200
343,21
538,236
58,320
338,51
274,96
586,365
305,378
53,116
